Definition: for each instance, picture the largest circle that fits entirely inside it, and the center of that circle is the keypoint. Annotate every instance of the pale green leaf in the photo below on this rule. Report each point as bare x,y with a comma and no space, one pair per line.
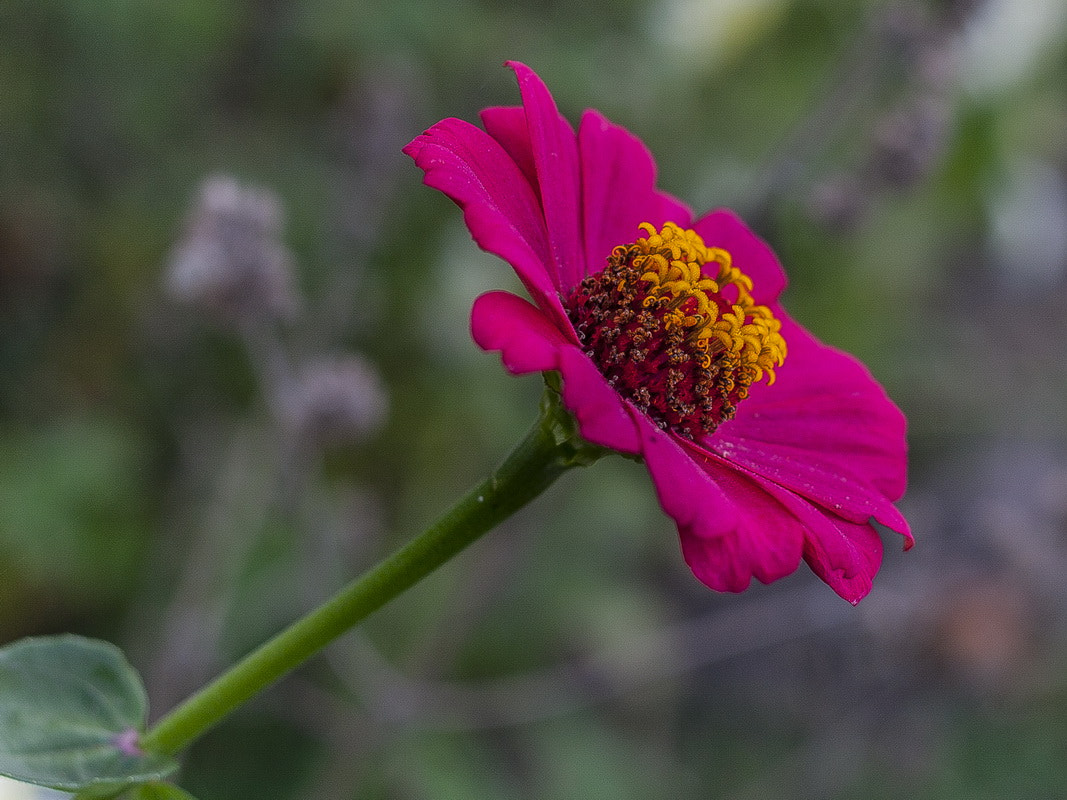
70,711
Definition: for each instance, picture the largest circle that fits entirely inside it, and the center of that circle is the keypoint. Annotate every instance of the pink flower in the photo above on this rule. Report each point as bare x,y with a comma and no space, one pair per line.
765,445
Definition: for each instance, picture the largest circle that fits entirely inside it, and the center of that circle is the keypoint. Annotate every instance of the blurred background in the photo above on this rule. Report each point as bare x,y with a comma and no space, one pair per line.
235,370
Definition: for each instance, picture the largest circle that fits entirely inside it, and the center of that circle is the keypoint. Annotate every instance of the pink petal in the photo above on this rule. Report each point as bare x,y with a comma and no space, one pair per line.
668,208
526,339
603,416
730,529
507,124
618,189
825,430
838,489
767,543
529,342
555,154
499,207
846,555
723,228
686,491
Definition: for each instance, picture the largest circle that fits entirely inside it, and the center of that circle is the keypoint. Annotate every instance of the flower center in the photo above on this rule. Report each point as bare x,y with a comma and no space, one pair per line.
683,343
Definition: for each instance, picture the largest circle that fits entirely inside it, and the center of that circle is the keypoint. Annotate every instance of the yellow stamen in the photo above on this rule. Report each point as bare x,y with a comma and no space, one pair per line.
672,324
672,261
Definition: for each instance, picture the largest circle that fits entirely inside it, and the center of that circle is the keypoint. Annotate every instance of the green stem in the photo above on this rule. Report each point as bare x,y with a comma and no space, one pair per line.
549,450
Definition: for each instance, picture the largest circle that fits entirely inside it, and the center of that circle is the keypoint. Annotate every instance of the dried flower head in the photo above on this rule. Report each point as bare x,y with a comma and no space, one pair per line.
231,261
336,400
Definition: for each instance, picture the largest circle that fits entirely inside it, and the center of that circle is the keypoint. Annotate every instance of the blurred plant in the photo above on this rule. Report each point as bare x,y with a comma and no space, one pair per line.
231,262
335,401
232,266
907,53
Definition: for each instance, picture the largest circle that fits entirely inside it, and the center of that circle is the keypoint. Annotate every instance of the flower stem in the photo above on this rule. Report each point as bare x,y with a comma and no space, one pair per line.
549,450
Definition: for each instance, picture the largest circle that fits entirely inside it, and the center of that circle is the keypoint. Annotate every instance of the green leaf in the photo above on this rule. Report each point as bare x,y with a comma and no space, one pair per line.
159,791
70,712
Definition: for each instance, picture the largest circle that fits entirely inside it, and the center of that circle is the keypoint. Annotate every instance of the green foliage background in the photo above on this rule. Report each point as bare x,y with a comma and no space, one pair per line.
571,654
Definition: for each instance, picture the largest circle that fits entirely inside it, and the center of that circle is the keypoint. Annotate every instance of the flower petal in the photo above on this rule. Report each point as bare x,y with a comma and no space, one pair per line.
526,338
845,554
603,416
507,124
686,491
499,206
555,155
767,544
825,430
730,529
753,256
529,342
618,189
836,488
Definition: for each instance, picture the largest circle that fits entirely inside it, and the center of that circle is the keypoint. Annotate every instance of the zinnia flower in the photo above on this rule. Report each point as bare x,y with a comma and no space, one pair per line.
765,445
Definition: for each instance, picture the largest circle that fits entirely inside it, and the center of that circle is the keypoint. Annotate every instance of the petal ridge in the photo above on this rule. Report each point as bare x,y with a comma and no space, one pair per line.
555,155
